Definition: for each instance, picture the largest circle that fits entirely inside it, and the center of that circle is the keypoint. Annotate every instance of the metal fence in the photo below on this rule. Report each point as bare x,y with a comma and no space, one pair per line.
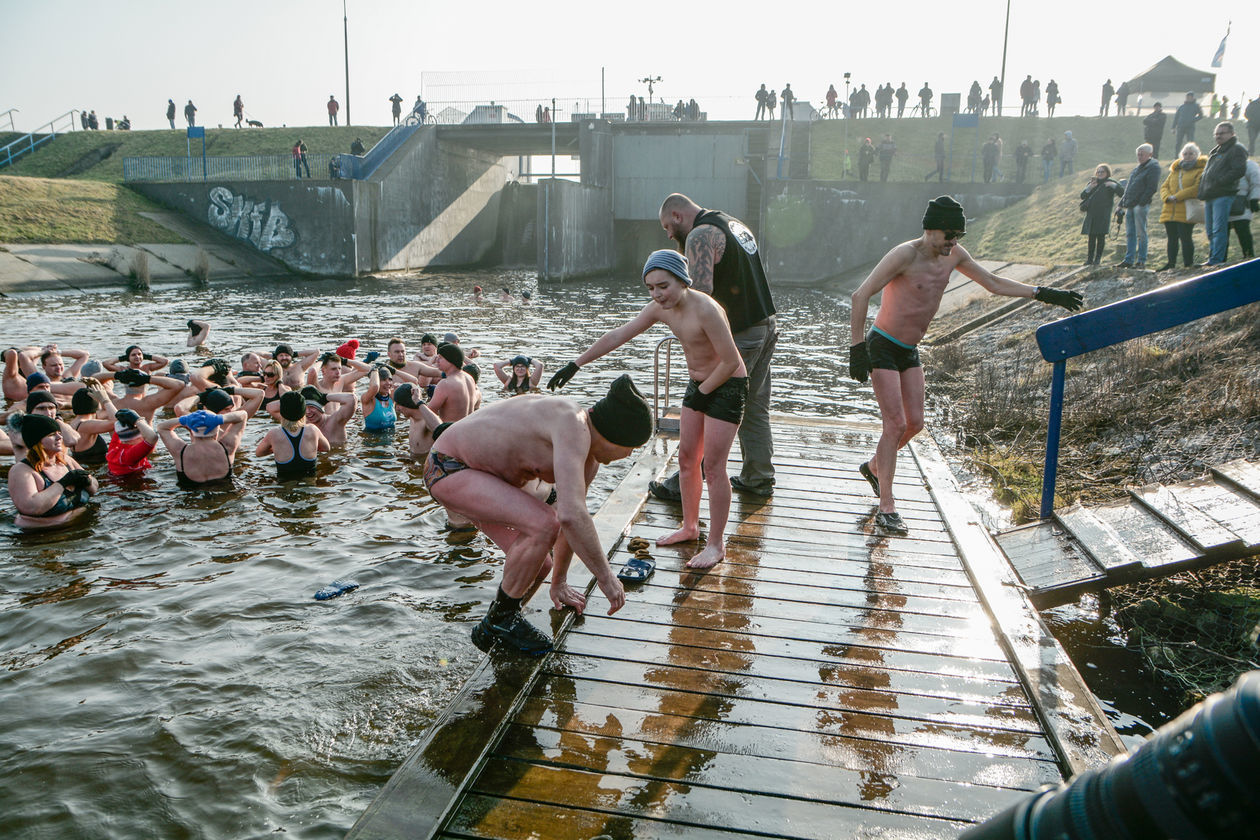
243,168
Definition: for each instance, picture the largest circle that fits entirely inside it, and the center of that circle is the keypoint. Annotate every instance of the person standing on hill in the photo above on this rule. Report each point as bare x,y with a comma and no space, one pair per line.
1153,127
995,97
190,113
1140,188
988,157
1122,99
761,96
866,156
333,108
1067,154
1107,92
925,100
902,95
911,279
1188,113
1023,152
170,112
395,107
1025,96
939,151
1252,116
887,148
238,110
1096,201
788,99
1052,97
1226,164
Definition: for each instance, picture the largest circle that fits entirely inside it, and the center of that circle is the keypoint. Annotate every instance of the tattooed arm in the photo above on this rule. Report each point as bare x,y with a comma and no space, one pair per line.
705,246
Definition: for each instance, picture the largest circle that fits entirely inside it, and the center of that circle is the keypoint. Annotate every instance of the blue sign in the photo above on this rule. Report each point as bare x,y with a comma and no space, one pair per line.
196,131
960,121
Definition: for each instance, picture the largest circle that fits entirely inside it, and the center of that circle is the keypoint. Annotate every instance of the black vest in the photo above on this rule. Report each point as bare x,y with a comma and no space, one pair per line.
739,281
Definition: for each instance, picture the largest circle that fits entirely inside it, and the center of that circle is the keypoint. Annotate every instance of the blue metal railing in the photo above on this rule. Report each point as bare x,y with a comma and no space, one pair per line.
1161,309
242,168
33,140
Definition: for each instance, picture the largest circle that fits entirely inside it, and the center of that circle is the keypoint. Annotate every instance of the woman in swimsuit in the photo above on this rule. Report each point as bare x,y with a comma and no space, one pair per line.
48,487
207,456
135,358
294,441
378,401
273,388
522,381
93,420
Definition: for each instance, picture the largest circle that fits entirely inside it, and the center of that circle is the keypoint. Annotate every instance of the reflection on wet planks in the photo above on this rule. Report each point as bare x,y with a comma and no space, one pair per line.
823,681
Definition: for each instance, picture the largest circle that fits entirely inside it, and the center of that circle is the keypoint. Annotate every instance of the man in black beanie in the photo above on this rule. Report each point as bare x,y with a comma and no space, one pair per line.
478,467
912,277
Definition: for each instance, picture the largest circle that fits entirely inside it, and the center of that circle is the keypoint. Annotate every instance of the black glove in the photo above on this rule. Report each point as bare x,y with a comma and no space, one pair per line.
859,362
372,357
122,358
1071,301
75,480
561,377
127,417
1255,205
132,377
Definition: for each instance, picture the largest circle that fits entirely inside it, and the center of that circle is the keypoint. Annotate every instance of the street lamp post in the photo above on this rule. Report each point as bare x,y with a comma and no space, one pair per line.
345,22
848,115
1006,34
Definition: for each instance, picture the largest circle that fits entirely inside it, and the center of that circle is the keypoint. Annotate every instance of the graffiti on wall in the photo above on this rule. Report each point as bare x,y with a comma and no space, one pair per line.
262,223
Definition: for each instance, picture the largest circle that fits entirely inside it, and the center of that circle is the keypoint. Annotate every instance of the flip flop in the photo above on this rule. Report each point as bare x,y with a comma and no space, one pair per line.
637,570
865,470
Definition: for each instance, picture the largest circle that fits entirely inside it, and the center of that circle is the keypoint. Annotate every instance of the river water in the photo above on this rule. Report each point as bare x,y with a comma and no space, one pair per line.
164,669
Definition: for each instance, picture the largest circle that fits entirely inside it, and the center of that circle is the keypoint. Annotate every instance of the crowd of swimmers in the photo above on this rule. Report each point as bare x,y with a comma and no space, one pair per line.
72,418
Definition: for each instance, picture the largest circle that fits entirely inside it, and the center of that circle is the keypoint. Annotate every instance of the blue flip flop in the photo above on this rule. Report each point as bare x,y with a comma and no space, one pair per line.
637,570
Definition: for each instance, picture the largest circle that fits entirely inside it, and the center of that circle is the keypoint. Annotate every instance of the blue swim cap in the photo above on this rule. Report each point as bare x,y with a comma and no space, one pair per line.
202,422
671,261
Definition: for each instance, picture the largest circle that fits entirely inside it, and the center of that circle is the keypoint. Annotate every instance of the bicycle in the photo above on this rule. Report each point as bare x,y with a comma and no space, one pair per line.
917,111
823,112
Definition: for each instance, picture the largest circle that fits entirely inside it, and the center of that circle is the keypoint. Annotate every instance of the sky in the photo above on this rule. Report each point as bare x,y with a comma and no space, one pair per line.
285,59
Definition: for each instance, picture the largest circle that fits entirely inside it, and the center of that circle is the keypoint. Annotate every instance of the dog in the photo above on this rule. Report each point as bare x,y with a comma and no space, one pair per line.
254,123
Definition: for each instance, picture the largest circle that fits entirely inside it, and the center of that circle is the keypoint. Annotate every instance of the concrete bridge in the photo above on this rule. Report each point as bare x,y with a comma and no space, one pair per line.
446,196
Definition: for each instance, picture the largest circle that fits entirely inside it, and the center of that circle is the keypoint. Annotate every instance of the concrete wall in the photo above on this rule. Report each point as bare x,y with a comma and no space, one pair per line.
307,226
431,204
577,223
815,230
705,162
516,244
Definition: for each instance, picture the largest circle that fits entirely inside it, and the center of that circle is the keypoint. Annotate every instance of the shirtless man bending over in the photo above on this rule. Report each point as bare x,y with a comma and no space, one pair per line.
713,404
912,277
478,467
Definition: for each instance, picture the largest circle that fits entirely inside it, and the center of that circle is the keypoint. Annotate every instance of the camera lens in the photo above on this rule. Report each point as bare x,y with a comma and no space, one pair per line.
1193,780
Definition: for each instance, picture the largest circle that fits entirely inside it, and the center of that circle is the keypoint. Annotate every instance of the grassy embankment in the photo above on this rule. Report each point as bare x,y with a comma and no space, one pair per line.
70,190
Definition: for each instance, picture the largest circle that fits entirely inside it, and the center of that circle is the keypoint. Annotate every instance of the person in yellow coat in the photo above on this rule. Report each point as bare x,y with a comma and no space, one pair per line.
1181,186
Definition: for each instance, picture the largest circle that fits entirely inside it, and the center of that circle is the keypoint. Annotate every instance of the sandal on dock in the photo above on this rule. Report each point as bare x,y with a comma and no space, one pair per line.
892,523
865,470
637,569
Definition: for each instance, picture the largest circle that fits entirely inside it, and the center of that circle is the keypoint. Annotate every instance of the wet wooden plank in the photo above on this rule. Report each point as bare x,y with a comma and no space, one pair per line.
493,818
649,760
1245,475
922,634
849,576
1103,544
773,716
1146,537
705,686
868,647
702,806
724,736
1193,525
736,604
815,596
1045,560
774,512
1233,510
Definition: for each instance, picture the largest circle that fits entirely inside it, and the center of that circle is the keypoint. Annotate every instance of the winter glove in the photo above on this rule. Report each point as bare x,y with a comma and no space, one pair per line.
562,376
859,362
1071,301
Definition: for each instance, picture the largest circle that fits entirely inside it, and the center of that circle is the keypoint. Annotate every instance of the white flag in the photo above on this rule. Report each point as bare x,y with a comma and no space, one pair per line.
1220,51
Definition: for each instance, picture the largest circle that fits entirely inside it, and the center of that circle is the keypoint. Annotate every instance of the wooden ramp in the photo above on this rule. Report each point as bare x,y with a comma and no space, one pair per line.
1156,532
822,682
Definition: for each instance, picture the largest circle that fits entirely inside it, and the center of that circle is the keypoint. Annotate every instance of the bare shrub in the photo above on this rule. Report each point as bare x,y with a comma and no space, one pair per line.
139,270
201,269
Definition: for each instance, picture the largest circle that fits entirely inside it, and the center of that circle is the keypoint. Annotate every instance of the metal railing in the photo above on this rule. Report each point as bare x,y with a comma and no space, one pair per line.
33,140
1161,309
9,113
659,399
243,168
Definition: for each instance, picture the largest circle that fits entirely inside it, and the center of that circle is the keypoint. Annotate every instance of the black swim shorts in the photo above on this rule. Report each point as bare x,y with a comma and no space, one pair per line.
726,403
889,355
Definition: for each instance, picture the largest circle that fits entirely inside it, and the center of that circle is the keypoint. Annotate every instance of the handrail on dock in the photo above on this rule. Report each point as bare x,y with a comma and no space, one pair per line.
33,139
1152,312
657,398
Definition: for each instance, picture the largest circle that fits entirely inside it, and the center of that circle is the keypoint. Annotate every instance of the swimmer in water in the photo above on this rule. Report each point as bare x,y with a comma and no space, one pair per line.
198,331
454,397
47,486
93,420
207,456
330,412
136,359
294,444
525,376
137,397
130,445
378,401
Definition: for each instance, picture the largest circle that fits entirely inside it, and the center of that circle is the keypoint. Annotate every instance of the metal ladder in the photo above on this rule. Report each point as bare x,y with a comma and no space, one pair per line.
665,422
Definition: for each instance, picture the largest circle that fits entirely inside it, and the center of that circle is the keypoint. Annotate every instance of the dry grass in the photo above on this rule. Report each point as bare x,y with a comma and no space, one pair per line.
60,211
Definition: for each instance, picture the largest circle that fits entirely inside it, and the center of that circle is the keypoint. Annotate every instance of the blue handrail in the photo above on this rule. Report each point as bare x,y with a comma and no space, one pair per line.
1152,312
32,140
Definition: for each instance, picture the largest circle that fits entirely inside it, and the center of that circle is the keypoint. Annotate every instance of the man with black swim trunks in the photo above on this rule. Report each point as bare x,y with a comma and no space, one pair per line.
713,404
479,468
912,277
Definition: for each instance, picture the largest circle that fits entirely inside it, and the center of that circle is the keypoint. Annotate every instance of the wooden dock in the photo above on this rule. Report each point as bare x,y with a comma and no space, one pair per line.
822,682
1158,531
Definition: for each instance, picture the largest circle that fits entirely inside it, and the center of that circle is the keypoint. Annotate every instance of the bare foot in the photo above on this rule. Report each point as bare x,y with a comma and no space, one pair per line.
710,557
679,536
